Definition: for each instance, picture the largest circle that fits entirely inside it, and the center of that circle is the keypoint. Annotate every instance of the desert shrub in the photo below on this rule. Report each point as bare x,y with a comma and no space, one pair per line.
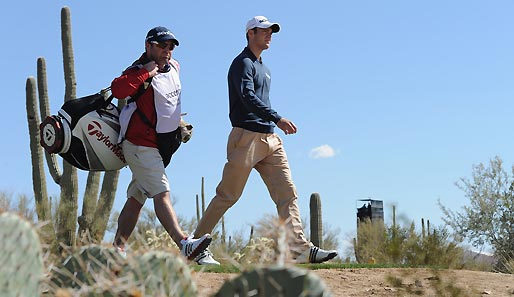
505,263
396,244
259,250
487,218
370,245
20,204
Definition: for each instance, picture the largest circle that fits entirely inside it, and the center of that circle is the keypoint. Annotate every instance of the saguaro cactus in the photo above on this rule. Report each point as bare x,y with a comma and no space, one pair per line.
422,228
197,209
93,206
316,220
20,255
203,195
67,212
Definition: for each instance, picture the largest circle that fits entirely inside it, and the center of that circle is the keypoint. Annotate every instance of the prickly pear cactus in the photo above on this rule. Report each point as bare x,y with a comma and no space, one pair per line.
20,257
100,271
102,289
87,266
159,273
275,281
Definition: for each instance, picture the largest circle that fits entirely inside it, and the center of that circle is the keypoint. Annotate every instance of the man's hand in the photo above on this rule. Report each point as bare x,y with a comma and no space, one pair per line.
287,126
186,130
152,68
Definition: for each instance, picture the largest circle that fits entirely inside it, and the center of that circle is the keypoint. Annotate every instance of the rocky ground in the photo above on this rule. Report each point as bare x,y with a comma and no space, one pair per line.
392,282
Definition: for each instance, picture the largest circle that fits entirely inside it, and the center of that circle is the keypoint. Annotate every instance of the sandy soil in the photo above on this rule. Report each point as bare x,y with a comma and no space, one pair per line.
374,282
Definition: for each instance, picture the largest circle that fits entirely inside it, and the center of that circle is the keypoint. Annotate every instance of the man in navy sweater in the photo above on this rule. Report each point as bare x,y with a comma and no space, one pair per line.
252,143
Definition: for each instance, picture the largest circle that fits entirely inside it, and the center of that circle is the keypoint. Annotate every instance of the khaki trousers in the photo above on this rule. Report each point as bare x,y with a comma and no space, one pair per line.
264,152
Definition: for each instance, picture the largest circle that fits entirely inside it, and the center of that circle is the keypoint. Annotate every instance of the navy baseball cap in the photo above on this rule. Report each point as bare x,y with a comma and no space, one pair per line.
159,34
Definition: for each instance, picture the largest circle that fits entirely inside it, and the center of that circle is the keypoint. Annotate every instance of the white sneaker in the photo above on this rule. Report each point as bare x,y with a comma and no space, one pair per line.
316,255
206,258
192,247
121,251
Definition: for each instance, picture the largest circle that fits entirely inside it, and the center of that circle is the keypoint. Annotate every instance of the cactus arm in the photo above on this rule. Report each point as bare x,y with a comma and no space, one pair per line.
67,53
44,107
67,213
104,205
38,173
88,204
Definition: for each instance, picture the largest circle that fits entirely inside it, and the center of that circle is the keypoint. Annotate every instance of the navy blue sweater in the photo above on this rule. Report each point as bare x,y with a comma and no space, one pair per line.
248,90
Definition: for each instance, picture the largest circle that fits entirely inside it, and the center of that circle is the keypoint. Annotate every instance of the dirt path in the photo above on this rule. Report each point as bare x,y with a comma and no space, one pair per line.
373,282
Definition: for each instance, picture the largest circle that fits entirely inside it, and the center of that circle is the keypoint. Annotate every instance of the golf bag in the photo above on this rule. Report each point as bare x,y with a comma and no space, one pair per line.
85,133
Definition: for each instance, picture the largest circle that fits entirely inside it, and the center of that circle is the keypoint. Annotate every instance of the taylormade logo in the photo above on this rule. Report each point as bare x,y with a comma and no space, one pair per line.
95,129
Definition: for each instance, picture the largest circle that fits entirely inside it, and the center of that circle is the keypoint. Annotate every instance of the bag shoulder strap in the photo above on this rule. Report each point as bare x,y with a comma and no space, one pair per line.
144,86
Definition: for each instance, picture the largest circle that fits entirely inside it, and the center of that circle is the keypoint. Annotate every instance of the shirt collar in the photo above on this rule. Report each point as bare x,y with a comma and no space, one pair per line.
251,55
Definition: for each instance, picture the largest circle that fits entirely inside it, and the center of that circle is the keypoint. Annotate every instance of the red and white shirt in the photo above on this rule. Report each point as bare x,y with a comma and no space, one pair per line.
160,103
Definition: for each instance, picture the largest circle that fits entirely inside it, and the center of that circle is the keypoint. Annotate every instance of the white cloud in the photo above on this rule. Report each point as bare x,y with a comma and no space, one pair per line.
324,151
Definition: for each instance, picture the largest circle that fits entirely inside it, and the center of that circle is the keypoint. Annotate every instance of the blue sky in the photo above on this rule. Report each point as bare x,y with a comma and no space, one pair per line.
394,100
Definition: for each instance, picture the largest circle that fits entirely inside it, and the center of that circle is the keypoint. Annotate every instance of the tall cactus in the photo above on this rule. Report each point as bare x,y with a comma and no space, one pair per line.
67,212
21,257
396,240
95,205
356,251
197,210
422,228
203,195
38,171
223,233
316,220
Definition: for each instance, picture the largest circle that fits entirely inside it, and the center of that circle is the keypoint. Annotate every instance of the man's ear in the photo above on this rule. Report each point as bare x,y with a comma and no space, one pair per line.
147,45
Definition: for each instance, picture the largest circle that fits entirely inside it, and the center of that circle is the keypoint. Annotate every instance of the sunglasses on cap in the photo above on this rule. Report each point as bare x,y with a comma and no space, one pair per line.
164,45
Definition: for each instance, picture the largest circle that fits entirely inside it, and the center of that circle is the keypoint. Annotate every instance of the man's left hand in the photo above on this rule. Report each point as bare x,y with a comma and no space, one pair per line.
287,126
186,130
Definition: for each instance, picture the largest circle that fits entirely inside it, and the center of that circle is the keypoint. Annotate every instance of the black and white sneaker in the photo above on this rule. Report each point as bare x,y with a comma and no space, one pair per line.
193,247
316,255
206,258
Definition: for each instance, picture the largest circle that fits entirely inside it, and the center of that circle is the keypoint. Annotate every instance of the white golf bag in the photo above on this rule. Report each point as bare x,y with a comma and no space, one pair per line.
85,133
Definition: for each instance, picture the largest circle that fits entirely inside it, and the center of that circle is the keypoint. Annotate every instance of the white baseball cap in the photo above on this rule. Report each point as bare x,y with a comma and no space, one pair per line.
262,22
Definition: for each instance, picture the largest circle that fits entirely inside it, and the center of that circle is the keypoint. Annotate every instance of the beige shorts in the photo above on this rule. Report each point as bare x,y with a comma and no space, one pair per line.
148,173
